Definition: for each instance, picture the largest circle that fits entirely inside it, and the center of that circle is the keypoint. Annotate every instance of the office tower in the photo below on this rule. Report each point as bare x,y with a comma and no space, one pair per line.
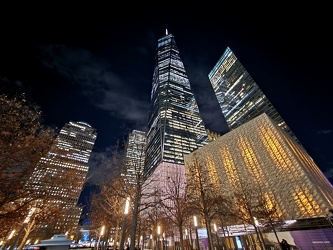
267,174
239,96
68,157
175,127
135,155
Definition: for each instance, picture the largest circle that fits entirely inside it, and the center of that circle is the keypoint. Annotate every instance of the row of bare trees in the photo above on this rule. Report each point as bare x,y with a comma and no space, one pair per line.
24,141
173,207
240,205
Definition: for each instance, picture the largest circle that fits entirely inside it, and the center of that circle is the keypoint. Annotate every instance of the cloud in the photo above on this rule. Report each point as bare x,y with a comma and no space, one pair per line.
102,164
324,132
128,107
98,82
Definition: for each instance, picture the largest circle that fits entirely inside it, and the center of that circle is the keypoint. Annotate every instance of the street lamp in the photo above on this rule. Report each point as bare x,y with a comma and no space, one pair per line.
158,237
25,223
217,236
260,235
124,225
163,237
99,238
186,237
141,241
196,230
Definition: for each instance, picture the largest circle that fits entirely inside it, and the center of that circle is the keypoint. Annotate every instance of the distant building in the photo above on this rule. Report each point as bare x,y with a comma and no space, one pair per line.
135,155
68,157
239,96
259,155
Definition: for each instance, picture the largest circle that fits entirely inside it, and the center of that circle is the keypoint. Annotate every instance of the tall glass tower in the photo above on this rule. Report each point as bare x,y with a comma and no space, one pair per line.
239,96
175,126
68,157
135,155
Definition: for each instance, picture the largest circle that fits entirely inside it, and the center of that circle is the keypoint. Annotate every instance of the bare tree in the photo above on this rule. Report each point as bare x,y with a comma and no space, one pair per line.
176,205
123,174
248,205
106,208
204,191
134,165
145,202
224,215
41,213
268,210
153,215
106,204
23,141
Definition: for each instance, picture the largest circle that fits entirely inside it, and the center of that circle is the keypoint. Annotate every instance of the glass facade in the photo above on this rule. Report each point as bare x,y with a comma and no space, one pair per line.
175,127
239,96
69,156
135,155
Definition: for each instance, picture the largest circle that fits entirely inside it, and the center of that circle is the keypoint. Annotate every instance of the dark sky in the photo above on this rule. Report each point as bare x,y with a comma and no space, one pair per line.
96,65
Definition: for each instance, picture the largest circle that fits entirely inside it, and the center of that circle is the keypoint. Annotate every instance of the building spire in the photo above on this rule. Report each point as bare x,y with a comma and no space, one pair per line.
166,32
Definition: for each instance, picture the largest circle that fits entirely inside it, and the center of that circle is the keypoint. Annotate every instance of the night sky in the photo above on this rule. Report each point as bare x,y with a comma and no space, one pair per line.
96,65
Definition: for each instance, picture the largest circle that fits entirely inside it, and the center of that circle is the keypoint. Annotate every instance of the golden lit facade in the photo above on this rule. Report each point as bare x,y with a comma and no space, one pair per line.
261,153
175,127
69,158
239,96
135,155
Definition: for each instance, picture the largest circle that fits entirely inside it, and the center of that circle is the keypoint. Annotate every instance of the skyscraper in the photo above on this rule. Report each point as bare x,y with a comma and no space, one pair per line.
239,96
175,127
68,157
135,155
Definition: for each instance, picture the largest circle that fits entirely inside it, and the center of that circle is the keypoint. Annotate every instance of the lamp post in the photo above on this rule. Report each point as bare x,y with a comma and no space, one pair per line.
217,236
163,239
25,223
141,242
99,238
186,237
121,246
260,235
158,237
196,231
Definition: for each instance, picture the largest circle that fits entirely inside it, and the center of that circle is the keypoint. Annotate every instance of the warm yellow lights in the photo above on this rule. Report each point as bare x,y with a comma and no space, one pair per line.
195,221
11,235
127,206
255,221
261,157
27,219
102,230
